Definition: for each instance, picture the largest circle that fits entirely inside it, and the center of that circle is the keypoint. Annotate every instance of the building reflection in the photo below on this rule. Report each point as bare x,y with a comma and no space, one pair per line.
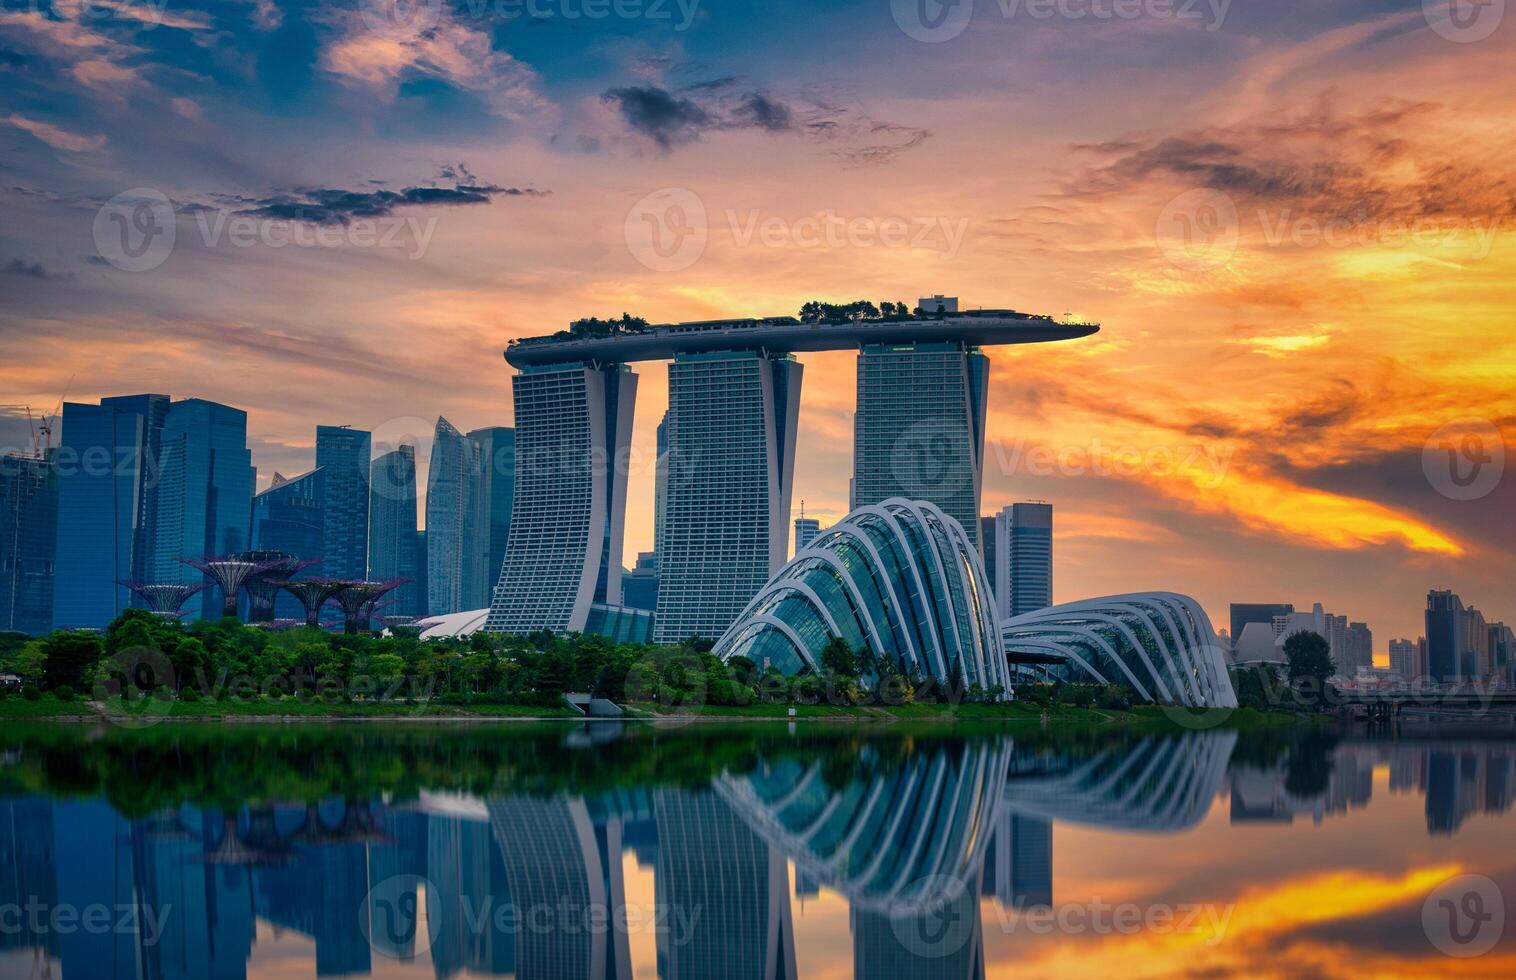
915,844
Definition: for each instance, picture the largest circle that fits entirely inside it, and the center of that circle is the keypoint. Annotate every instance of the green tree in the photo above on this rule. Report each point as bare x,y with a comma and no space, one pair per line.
1309,655
68,658
838,657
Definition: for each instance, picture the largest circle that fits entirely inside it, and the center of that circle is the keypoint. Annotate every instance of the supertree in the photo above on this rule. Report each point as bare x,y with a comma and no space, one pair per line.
164,598
357,599
263,588
312,594
229,573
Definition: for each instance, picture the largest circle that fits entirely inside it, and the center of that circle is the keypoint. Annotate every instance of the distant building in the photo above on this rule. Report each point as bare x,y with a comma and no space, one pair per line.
1022,552
639,587
661,483
732,426
342,453
202,500
1447,636
1244,613
490,517
1361,643
1403,658
450,489
393,541
28,541
288,518
806,529
107,468
938,303
918,432
1502,652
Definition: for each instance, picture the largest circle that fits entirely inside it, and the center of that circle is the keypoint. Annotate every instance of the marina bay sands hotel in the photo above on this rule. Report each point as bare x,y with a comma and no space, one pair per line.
734,404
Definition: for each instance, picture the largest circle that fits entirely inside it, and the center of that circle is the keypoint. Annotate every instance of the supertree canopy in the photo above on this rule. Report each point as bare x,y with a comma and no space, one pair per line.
263,587
312,594
357,599
229,574
164,598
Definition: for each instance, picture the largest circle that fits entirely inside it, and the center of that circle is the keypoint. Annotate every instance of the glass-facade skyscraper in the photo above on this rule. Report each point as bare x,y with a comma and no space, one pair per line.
563,551
393,541
494,493
919,429
107,465
202,496
731,462
449,498
28,541
342,453
289,517
1021,555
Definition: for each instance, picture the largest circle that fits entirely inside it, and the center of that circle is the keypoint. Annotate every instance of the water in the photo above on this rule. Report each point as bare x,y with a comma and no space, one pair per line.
826,851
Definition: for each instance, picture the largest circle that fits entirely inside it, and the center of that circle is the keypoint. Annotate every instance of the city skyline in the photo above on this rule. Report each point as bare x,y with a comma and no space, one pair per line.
1316,371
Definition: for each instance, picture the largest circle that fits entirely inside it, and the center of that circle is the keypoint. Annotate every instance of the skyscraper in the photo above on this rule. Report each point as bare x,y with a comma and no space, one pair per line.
919,429
393,543
563,552
490,518
639,587
1403,658
28,540
1446,635
661,483
1023,558
731,463
449,499
343,454
289,517
203,494
806,529
1361,643
1244,613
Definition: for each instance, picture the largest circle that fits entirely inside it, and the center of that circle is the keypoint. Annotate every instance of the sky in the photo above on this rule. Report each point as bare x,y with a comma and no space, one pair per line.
1291,219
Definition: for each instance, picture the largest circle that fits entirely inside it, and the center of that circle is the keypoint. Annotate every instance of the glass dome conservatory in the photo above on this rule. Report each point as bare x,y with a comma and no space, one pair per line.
900,582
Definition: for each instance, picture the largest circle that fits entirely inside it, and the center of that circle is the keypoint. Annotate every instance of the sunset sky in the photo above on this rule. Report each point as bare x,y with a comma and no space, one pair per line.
1292,220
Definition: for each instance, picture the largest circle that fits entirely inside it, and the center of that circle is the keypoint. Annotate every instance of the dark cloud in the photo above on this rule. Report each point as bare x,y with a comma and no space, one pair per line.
672,119
30,270
1360,167
666,119
331,205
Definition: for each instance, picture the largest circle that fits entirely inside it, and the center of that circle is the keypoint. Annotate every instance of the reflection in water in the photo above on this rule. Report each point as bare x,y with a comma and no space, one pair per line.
911,836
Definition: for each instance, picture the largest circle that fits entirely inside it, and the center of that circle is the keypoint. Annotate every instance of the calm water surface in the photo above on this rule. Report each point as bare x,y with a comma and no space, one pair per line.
606,852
